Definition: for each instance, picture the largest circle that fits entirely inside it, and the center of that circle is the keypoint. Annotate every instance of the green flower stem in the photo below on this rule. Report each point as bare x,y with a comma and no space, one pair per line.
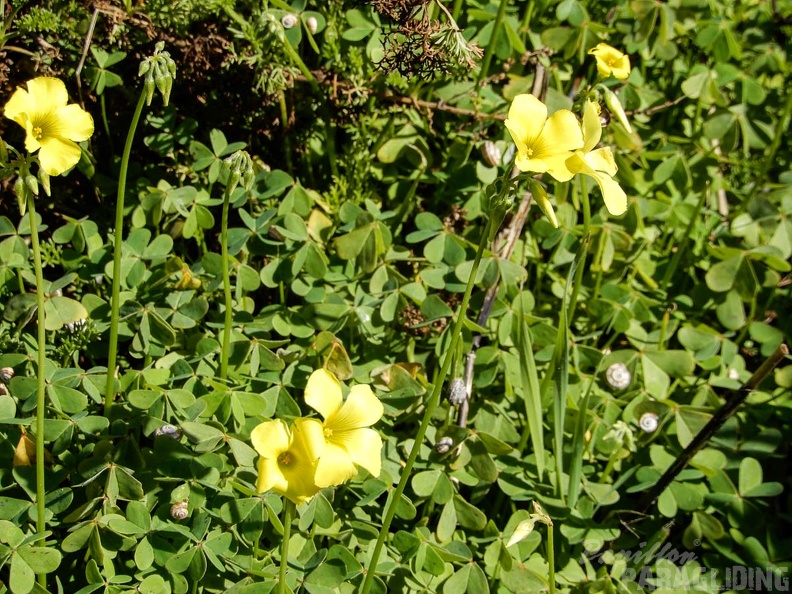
117,240
526,21
584,197
288,513
431,405
285,125
228,319
551,558
41,394
485,62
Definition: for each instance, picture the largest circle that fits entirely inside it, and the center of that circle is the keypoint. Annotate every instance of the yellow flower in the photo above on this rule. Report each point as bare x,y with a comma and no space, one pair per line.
611,61
51,124
598,163
543,144
288,458
349,440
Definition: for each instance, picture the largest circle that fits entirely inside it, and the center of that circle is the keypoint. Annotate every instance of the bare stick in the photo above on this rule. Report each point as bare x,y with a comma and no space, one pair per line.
733,402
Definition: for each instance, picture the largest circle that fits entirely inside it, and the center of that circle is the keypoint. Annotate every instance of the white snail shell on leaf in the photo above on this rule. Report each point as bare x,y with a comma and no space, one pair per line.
618,376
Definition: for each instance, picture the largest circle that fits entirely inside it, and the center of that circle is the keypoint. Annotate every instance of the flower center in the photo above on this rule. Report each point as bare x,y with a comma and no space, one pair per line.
612,62
328,432
38,132
286,459
530,152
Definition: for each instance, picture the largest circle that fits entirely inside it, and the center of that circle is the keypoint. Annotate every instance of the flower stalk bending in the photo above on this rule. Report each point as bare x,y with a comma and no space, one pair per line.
158,72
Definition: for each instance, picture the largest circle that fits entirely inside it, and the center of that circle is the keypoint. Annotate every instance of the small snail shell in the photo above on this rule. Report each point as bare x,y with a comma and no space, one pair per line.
168,431
648,422
456,392
444,445
6,373
312,25
288,21
491,153
180,510
618,376
734,374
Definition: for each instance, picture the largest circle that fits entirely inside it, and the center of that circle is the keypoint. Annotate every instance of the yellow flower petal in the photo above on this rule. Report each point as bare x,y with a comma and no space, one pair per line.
612,193
361,409
556,166
19,106
323,393
561,133
74,122
334,467
270,438
592,127
270,476
308,438
57,155
527,115
602,160
364,447
47,94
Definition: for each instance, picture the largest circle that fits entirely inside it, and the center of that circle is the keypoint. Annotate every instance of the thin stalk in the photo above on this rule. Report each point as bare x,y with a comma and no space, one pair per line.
456,10
431,405
551,558
288,512
285,125
41,394
228,319
485,62
525,28
117,240
586,229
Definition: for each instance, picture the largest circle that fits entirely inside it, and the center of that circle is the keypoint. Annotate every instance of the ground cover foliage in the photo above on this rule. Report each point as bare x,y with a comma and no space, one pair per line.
593,351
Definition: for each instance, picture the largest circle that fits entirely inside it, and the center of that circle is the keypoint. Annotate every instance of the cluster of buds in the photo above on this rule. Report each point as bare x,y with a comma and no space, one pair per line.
240,167
159,71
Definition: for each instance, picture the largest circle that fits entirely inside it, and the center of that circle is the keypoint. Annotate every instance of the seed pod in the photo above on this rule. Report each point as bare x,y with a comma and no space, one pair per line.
288,21
618,376
6,373
312,25
491,153
444,445
168,431
180,510
648,422
456,392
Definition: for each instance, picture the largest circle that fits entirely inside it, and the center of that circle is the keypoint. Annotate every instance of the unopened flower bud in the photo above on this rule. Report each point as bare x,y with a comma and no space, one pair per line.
312,25
240,166
648,422
457,393
615,107
288,21
44,178
180,510
21,191
491,153
158,71
618,376
543,202
32,183
444,445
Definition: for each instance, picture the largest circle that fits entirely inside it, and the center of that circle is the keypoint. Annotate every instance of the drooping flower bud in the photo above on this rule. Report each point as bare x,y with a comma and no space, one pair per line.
158,71
240,167
543,202
615,107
